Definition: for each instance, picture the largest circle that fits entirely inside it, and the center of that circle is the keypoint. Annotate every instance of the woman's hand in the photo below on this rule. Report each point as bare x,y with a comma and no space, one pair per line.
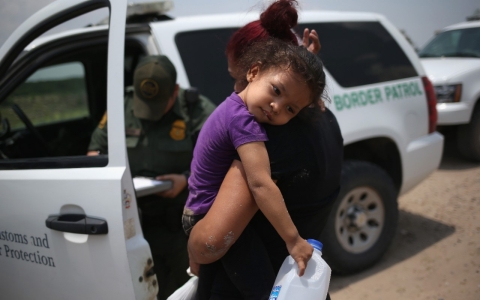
314,47
312,35
301,251
194,267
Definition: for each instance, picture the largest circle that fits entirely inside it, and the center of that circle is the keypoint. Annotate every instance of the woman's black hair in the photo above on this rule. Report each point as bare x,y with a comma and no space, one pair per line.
274,53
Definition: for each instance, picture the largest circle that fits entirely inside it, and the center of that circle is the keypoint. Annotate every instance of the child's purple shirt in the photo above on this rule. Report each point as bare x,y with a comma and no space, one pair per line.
228,127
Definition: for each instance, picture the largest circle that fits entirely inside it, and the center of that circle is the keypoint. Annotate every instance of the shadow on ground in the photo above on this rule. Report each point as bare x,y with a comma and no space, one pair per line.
452,159
414,234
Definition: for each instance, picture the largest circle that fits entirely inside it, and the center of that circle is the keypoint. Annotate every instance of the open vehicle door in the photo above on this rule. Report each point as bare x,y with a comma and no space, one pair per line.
69,225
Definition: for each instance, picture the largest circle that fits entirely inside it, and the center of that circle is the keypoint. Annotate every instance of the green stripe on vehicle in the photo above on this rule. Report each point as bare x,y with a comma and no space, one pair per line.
374,96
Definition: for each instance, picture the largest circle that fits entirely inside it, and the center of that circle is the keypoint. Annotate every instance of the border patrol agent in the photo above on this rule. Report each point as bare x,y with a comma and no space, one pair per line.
162,122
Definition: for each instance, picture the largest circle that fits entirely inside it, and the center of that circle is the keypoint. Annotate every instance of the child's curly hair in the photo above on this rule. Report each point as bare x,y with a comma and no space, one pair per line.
274,53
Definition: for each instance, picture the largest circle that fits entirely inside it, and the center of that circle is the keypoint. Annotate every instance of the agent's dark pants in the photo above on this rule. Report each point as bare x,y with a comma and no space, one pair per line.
162,229
170,257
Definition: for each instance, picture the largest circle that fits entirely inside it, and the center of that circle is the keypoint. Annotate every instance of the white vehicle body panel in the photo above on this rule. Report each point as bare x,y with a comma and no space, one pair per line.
60,265
404,121
401,120
42,40
453,113
470,24
62,191
456,70
426,152
449,71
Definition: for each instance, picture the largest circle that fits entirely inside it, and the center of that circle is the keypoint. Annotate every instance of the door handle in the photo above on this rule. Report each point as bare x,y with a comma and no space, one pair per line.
77,223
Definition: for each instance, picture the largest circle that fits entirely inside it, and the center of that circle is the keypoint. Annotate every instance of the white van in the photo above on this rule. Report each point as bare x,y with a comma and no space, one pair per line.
69,226
452,62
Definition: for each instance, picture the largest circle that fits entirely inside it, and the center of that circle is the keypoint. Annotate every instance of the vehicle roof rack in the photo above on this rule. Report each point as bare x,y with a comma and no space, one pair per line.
145,12
475,16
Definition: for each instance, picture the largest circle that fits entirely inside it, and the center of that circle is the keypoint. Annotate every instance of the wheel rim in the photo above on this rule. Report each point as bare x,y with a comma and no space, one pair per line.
359,219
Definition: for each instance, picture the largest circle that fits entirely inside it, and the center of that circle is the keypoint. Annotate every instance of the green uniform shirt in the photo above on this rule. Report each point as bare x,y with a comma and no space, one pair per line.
159,147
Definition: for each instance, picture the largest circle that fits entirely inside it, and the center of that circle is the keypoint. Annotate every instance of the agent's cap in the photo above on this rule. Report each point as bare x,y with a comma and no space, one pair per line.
154,82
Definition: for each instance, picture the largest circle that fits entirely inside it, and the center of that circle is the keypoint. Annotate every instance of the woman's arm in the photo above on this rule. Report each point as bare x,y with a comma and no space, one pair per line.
230,213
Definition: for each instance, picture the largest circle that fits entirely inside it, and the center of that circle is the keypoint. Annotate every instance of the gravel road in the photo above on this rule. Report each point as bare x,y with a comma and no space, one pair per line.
436,251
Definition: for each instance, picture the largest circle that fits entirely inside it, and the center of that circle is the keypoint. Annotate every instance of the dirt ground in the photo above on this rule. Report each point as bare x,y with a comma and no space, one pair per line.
436,251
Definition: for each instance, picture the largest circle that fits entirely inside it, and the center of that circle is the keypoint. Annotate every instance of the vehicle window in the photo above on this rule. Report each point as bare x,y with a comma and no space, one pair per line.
454,43
360,53
52,94
205,62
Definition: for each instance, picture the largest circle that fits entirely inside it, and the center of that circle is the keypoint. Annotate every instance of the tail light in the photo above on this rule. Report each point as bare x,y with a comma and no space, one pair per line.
432,104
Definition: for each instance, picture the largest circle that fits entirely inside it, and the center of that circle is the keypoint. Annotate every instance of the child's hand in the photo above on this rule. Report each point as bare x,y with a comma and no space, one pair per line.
301,251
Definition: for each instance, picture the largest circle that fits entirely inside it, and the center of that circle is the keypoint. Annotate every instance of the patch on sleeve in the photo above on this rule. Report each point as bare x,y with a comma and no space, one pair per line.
103,121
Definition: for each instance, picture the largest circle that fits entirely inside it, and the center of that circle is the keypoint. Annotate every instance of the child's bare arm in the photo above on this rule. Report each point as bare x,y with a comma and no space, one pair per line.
269,199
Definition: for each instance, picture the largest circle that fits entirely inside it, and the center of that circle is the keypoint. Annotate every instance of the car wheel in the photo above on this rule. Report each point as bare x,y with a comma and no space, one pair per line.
468,137
363,219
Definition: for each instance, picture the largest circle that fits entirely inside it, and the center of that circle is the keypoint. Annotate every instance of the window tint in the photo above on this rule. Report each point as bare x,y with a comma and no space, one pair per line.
52,94
454,43
360,53
203,55
52,98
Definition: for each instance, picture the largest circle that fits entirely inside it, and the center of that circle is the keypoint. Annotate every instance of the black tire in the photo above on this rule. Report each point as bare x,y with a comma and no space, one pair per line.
368,200
468,137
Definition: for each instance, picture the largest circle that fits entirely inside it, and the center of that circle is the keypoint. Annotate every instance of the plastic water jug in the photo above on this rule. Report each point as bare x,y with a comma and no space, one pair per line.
313,285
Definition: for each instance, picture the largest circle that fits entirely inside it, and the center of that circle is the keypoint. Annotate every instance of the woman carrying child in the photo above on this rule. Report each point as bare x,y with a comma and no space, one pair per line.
282,80
305,157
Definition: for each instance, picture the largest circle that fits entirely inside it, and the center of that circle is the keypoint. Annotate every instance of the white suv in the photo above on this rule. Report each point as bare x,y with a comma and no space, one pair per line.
69,225
452,62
